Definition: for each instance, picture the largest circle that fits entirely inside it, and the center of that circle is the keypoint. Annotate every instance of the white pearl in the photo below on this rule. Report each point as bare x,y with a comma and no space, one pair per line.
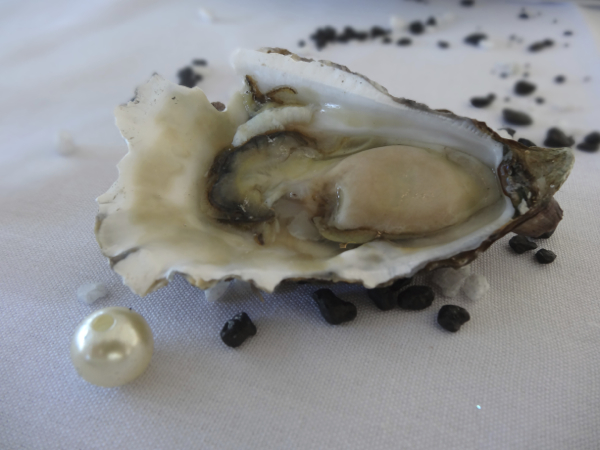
112,347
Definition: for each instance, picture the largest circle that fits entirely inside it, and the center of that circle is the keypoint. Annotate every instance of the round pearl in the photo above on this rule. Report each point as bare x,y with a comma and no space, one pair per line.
112,347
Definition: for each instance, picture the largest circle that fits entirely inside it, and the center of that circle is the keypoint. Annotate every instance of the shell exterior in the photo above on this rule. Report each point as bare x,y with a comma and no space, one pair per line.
156,221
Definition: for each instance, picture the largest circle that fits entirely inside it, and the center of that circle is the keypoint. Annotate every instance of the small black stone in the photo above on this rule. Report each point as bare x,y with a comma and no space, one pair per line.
523,15
403,42
522,244
333,309
416,298
526,142
431,22
544,256
324,36
568,33
524,87
416,27
443,44
515,117
482,102
510,131
400,283
199,62
452,317
361,36
593,138
378,31
556,138
540,100
588,147
386,40
559,79
237,330
383,298
301,43
348,34
467,3
541,45
188,78
475,38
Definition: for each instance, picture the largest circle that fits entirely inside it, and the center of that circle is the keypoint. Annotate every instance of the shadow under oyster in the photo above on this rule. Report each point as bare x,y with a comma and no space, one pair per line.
312,172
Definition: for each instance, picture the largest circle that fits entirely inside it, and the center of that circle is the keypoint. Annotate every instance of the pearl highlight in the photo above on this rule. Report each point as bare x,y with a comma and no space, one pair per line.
112,347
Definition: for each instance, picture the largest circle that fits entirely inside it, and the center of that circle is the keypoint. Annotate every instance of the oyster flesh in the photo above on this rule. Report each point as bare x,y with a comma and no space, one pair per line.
311,172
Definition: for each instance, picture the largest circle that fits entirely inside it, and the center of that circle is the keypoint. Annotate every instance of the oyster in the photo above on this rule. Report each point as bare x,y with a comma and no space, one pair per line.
311,172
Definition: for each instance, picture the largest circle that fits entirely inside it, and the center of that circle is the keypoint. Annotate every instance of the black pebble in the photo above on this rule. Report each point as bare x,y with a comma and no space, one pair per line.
526,142
568,33
541,45
540,100
523,15
199,62
475,38
386,40
383,298
545,256
592,138
416,298
556,138
378,31
237,330
404,42
431,21
443,44
324,36
301,43
333,309
522,244
590,143
188,78
559,79
416,27
588,147
524,87
510,131
452,317
514,117
467,2
400,283
482,102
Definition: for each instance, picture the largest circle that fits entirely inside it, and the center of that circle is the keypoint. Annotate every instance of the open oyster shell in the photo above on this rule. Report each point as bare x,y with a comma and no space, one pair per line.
175,209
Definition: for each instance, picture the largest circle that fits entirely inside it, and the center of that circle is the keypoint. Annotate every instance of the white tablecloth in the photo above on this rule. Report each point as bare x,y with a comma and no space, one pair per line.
523,373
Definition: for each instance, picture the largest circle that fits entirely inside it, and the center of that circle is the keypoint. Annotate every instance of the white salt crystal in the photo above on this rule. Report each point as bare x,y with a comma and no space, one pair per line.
450,280
90,292
217,291
486,44
504,134
205,15
475,286
397,23
64,143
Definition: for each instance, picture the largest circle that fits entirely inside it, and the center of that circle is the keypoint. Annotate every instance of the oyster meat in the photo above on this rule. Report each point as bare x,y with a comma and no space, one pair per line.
312,172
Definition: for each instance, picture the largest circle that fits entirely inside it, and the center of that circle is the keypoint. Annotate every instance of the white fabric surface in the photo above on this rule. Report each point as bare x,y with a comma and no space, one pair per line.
523,373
